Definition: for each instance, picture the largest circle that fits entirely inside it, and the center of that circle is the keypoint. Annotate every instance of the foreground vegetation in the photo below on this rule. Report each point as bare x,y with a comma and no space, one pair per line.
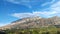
42,30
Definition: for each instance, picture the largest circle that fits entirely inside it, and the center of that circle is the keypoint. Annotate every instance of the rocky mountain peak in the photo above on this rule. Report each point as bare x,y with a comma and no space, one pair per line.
32,22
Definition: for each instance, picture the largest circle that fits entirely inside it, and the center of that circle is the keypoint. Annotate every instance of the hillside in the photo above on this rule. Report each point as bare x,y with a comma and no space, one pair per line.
33,22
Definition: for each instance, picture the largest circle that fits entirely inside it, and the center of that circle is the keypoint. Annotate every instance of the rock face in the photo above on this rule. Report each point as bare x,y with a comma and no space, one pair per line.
32,22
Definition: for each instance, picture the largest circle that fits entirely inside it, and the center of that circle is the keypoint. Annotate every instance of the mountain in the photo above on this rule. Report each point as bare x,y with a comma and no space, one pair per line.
33,22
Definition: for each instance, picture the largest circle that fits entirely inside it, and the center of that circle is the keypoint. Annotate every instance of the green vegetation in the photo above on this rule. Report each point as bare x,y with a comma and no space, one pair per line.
42,30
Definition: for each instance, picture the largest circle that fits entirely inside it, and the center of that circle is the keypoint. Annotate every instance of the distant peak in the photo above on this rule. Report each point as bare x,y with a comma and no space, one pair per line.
35,17
56,17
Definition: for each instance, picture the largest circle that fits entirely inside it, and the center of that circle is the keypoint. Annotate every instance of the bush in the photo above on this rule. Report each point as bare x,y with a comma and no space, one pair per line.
42,30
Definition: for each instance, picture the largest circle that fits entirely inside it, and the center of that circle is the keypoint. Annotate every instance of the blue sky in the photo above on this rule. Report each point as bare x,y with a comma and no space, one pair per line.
11,10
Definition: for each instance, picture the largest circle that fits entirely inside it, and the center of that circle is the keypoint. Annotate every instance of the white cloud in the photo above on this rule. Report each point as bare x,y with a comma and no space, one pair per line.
47,3
22,2
55,7
53,10
24,15
27,3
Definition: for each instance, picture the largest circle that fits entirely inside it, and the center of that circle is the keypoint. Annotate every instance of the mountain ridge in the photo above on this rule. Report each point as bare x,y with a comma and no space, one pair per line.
33,22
